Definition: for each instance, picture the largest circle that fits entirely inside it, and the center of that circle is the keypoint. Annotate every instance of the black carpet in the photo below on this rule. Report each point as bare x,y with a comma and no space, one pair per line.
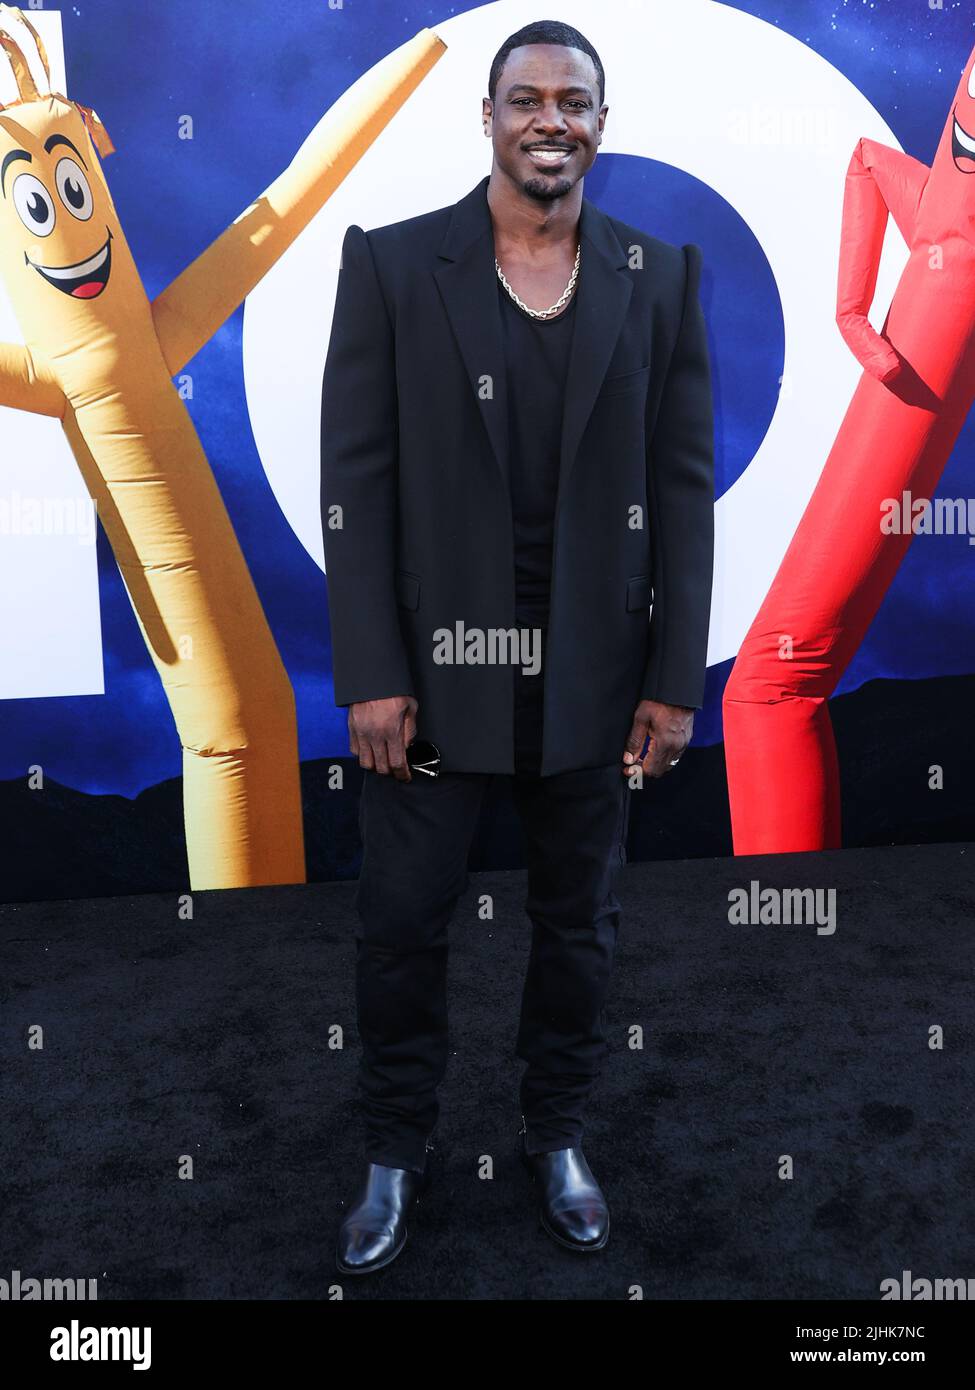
215,1038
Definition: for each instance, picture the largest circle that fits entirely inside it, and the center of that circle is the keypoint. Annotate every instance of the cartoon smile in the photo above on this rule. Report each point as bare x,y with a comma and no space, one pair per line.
84,279
963,148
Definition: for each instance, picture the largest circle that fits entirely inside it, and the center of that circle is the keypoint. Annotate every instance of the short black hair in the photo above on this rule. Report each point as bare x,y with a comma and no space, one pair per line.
545,31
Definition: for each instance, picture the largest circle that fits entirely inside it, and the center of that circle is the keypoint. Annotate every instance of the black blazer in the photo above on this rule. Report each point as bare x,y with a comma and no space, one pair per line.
416,509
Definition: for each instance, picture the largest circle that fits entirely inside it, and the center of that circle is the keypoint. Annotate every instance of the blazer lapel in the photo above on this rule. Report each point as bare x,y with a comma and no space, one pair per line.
467,282
602,299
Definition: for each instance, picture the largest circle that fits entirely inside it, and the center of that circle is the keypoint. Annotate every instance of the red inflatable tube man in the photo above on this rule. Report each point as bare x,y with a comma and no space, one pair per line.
911,402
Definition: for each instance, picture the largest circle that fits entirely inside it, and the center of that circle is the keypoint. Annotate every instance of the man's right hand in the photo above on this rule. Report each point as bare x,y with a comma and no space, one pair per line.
380,732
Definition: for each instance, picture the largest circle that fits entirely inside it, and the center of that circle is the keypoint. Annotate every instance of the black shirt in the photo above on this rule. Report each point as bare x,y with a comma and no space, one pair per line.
536,355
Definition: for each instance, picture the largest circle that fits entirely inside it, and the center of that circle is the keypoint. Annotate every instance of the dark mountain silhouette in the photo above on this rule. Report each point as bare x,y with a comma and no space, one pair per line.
62,843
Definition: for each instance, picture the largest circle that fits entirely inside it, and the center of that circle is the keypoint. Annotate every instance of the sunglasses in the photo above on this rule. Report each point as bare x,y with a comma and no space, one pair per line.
424,757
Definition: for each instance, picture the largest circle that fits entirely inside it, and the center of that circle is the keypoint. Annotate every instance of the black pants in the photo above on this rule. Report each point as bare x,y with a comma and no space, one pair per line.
416,838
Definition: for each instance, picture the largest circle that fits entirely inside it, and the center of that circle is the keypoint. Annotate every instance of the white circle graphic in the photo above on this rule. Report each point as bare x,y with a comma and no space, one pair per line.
750,111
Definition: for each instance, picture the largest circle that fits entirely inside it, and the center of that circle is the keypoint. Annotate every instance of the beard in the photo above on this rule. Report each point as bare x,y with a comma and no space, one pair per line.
545,187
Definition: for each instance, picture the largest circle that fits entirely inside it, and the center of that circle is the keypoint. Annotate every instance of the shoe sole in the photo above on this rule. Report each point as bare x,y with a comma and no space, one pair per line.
571,1244
379,1264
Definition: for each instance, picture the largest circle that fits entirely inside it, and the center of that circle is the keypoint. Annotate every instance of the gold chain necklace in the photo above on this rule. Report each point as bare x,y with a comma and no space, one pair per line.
554,308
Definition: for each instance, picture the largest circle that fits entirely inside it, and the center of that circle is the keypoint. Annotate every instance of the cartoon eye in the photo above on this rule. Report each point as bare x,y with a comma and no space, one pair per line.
34,205
73,189
971,82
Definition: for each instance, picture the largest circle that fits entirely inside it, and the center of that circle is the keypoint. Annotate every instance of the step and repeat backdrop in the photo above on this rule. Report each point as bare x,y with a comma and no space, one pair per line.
176,184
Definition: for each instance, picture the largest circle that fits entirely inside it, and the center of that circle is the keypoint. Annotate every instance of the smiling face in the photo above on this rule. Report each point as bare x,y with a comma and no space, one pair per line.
546,121
60,241
43,197
946,208
963,125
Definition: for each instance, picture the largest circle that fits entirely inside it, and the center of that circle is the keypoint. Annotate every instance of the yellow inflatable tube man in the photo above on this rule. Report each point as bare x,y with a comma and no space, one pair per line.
100,357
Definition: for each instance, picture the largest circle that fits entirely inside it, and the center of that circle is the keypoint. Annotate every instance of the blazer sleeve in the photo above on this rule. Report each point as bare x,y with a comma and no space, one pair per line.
359,455
680,494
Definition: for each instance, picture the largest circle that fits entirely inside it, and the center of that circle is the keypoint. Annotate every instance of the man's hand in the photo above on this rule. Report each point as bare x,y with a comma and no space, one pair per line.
669,727
380,732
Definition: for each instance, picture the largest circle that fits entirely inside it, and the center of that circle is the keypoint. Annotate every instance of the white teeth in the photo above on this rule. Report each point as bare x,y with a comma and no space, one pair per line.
75,271
550,156
966,141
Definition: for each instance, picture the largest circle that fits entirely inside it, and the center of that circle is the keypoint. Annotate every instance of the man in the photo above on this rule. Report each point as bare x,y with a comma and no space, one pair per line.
517,463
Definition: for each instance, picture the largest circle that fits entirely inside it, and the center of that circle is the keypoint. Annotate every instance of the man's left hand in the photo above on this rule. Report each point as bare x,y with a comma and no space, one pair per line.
669,728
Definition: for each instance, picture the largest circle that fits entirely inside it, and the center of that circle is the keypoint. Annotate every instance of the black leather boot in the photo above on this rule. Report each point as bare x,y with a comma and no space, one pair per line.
373,1231
571,1207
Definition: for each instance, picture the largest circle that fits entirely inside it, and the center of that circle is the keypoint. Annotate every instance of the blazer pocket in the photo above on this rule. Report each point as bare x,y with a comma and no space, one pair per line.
407,589
624,383
639,593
